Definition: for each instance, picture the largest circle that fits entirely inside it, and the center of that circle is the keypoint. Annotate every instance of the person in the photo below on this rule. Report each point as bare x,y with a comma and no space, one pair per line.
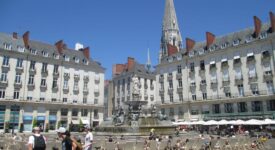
88,138
67,143
37,141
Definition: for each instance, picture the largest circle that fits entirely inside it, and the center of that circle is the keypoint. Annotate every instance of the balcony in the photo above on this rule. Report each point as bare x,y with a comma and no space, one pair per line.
76,90
44,72
4,83
32,71
202,69
170,77
31,86
145,86
18,85
97,79
179,75
193,85
252,77
55,88
225,80
85,90
238,78
214,81
179,89
66,89
96,91
56,73
146,96
76,77
170,90
152,87
43,87
19,69
192,71
6,67
161,91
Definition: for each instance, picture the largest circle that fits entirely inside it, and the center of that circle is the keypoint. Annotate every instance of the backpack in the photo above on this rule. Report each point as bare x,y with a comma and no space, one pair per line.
79,145
39,143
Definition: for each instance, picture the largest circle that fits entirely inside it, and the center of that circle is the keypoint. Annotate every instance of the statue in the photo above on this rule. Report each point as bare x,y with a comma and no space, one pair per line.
119,117
136,90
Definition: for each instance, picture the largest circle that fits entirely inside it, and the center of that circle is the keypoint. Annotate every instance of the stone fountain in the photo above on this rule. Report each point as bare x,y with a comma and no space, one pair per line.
132,121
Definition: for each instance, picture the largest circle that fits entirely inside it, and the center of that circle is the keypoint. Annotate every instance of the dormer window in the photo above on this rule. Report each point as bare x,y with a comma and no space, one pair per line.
191,54
33,51
85,61
236,42
45,54
248,39
76,59
263,35
20,49
67,58
201,51
224,45
7,46
55,56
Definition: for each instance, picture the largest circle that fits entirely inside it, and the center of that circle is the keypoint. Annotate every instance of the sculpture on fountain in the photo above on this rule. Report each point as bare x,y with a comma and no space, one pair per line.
119,117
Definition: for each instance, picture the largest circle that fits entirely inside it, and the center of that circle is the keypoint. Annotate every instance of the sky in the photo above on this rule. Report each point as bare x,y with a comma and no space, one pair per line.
117,29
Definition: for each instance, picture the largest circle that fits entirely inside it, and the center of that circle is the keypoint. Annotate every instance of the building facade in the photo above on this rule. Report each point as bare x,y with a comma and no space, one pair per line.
48,84
228,77
123,84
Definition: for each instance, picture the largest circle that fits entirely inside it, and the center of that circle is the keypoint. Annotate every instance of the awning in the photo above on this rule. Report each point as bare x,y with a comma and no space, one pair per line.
224,60
41,118
85,121
212,62
52,118
237,57
27,118
194,119
250,54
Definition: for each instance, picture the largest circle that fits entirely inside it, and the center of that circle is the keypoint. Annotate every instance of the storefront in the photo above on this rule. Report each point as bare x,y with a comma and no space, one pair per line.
27,120
14,118
52,122
2,116
41,122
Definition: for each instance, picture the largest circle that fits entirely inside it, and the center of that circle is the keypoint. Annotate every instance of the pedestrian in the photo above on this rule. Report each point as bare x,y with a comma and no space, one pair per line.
88,142
67,143
37,141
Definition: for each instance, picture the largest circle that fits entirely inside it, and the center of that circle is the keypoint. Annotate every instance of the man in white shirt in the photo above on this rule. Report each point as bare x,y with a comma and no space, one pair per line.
37,141
88,138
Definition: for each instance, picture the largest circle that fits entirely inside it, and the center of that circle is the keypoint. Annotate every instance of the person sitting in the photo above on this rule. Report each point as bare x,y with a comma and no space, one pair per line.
110,139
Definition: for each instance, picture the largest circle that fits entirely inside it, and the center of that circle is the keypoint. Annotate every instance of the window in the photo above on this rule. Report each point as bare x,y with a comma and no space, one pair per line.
271,105
263,35
84,112
3,77
192,67
31,79
18,78
216,109
179,69
6,61
204,96
55,69
67,58
2,93
55,56
238,74
85,61
76,59
7,46
20,48
96,101
241,90
202,66
236,42
32,65
252,71
171,112
225,75
43,82
65,84
33,51
19,63
95,113
75,85
64,112
256,106
44,67
54,83
65,100
194,97
45,54
228,94
29,98
248,39
75,112
254,89
85,88
180,83
228,108
171,98
171,84
16,95
180,97
270,87
84,100
242,107
162,98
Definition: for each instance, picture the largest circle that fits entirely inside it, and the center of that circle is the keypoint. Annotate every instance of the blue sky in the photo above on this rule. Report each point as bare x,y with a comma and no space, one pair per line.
116,29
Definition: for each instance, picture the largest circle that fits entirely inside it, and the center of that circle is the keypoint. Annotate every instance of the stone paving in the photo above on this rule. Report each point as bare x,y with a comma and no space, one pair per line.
135,143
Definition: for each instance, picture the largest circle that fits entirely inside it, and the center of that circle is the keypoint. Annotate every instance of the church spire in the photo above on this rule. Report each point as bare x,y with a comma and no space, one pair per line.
170,29
148,64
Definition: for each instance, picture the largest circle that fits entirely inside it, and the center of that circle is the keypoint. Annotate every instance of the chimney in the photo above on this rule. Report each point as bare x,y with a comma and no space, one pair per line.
59,46
86,52
258,25
272,22
189,44
130,63
14,35
210,38
26,39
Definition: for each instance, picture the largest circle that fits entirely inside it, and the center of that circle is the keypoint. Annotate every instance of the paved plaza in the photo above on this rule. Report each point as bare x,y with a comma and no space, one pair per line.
138,143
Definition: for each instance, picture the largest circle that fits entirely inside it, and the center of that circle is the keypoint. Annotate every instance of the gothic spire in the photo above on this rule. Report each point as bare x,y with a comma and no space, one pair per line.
170,29
148,64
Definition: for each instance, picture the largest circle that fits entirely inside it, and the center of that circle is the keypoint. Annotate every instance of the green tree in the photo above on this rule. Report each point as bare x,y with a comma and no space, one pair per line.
7,127
34,122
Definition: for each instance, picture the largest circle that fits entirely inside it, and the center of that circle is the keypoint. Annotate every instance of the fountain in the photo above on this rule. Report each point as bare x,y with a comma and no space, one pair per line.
132,121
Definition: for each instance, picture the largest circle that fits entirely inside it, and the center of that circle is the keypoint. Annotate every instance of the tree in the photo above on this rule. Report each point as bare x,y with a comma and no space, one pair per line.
34,122
7,127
